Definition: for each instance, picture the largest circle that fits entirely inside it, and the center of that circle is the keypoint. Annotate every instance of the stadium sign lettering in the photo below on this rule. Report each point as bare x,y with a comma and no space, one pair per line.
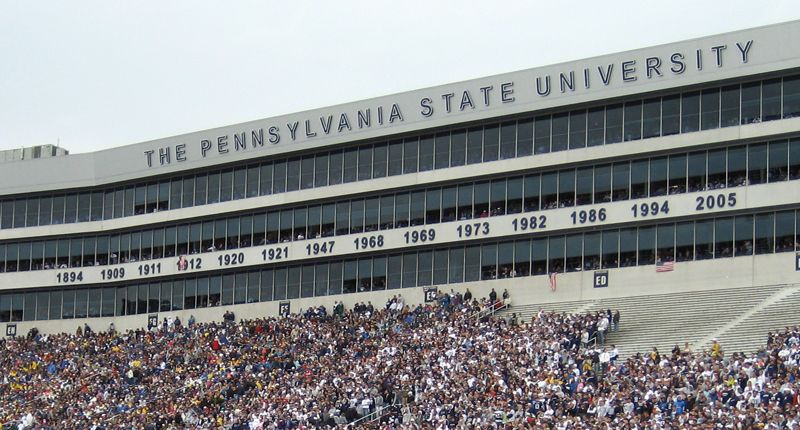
482,96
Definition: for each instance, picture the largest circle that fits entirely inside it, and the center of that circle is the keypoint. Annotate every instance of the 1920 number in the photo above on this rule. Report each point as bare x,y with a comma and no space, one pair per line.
420,236
116,273
472,230
320,248
715,201
149,269
231,259
530,223
650,209
275,253
65,277
591,215
369,242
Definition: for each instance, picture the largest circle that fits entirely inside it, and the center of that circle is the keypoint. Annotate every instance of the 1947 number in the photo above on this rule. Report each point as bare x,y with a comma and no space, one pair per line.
320,248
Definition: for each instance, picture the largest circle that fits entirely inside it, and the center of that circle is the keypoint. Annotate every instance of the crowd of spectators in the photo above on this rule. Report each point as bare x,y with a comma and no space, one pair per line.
428,366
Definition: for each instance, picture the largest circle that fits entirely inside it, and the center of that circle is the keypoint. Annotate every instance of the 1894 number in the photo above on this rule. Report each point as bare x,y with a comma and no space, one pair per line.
65,277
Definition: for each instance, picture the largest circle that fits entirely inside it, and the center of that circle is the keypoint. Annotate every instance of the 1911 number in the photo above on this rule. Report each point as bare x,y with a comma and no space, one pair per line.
149,269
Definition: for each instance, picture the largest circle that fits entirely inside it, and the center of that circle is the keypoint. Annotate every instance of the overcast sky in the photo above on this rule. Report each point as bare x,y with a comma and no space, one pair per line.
95,75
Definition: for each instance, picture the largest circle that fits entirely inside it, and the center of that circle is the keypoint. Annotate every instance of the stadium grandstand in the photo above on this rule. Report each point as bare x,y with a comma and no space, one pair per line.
608,243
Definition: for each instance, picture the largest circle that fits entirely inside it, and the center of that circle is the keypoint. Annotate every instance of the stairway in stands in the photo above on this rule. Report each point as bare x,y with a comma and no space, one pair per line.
739,317
750,332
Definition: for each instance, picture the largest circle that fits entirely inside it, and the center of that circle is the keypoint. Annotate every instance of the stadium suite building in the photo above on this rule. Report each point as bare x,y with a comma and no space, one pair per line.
683,156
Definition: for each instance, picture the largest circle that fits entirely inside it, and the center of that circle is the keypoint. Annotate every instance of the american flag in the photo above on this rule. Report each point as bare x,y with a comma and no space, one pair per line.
553,281
665,266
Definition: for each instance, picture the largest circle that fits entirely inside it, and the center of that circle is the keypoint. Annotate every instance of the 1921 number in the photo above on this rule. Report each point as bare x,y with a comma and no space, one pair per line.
275,253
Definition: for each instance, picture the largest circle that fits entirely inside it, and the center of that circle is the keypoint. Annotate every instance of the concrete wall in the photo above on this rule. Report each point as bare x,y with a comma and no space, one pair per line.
624,282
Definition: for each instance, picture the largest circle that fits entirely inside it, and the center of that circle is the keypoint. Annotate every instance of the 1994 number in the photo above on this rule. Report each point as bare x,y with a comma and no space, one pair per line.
650,209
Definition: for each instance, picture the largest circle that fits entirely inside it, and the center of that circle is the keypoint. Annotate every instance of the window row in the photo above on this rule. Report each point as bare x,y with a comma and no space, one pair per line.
723,237
659,116
650,177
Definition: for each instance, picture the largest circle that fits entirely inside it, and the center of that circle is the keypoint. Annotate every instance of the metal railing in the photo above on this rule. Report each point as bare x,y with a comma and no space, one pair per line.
375,415
497,306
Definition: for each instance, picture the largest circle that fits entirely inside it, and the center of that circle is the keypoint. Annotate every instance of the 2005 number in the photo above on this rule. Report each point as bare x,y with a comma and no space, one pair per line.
717,201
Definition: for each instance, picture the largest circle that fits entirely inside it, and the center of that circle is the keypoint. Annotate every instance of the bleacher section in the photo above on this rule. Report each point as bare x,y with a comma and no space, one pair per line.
739,318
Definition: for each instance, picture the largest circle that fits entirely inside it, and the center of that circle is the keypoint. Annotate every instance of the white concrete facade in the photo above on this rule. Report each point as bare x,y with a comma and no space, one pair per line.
732,57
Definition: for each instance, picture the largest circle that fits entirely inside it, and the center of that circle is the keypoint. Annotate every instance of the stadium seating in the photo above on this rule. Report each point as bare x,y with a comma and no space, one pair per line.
665,320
